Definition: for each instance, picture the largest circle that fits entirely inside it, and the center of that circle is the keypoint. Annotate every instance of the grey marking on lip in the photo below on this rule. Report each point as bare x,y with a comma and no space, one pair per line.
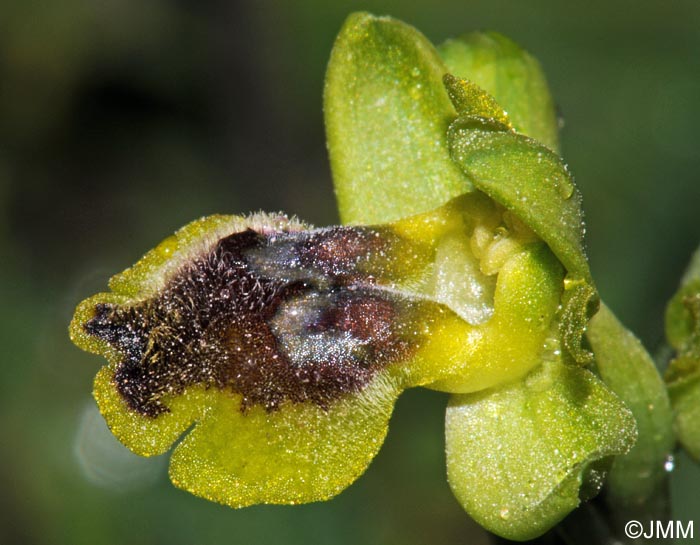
273,317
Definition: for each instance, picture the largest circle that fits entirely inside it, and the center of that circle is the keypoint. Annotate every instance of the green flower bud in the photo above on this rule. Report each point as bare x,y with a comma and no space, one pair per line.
683,373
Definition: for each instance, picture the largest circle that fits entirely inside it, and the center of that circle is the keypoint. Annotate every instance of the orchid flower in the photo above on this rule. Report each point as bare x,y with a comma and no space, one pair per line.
279,349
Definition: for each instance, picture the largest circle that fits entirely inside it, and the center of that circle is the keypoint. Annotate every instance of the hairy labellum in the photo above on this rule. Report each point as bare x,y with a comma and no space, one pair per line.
280,350
275,312
274,317
287,346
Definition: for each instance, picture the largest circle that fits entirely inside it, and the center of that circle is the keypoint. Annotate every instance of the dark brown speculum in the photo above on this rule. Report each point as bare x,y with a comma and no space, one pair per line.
273,317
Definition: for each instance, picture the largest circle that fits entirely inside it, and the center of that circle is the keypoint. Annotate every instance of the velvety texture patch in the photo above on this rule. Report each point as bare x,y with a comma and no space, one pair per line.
273,317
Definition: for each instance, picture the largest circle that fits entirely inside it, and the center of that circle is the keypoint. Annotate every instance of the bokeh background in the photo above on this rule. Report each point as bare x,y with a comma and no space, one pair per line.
121,120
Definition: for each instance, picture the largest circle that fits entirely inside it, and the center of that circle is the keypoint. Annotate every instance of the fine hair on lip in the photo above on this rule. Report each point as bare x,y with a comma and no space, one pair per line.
272,317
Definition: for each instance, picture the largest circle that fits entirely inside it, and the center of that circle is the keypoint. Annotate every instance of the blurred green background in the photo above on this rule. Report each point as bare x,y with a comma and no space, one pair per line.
121,120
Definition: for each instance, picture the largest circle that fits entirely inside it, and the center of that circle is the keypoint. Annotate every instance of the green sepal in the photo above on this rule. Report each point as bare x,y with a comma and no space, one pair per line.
683,373
559,421
386,114
511,75
627,369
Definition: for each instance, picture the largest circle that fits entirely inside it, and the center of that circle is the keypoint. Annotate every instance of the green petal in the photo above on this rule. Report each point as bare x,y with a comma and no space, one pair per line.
511,75
285,347
628,370
578,303
685,398
531,181
387,114
517,456
471,100
300,453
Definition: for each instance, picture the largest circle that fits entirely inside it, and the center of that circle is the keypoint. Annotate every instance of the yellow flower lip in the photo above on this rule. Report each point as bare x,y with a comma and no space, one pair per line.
461,297
287,347
291,385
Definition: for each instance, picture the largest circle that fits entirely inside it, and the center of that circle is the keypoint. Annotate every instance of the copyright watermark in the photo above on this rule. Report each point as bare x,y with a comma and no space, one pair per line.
660,529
